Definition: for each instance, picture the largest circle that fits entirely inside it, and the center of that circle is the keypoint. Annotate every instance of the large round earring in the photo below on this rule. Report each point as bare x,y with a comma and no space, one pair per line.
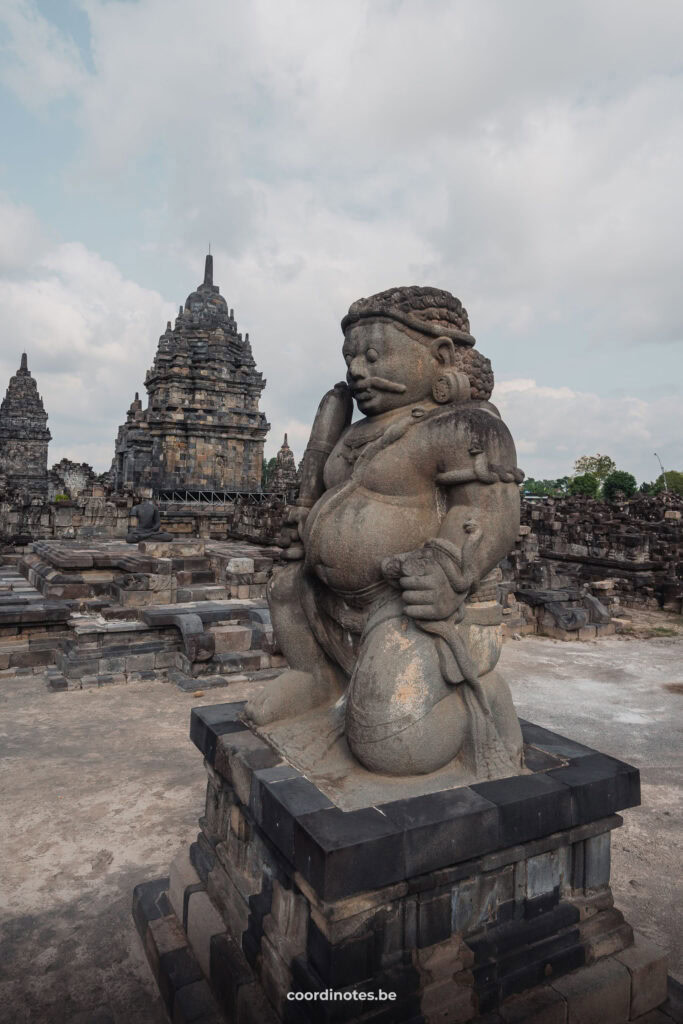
451,386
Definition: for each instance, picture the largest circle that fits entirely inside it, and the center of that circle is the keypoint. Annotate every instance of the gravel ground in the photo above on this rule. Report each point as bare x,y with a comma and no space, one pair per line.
102,787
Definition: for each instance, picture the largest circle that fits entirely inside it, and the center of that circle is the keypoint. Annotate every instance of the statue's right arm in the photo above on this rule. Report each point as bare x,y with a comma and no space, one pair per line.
331,420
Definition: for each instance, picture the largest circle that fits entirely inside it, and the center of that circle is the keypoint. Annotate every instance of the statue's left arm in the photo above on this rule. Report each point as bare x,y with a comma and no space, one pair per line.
478,475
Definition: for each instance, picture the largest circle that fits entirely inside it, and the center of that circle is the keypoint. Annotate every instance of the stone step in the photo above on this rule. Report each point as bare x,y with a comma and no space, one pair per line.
202,592
233,661
186,577
190,564
231,638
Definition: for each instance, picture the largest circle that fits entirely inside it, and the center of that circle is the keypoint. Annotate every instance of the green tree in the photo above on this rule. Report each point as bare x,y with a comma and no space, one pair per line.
599,465
586,484
267,473
617,481
542,488
674,482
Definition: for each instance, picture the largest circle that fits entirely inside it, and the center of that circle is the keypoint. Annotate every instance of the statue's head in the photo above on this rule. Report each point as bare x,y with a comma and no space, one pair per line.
399,343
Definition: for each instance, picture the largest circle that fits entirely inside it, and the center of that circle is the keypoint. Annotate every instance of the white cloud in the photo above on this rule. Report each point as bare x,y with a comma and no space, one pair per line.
90,336
38,62
555,426
21,236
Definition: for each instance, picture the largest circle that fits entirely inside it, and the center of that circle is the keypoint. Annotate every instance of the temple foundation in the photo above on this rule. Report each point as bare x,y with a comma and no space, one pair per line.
488,902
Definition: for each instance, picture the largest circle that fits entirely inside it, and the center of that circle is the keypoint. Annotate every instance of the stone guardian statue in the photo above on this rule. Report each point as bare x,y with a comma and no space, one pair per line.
388,601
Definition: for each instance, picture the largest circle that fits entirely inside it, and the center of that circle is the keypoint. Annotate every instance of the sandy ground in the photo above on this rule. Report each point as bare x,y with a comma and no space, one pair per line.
102,787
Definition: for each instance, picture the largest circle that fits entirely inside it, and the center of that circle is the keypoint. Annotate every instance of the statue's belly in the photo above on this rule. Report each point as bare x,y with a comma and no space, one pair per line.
347,535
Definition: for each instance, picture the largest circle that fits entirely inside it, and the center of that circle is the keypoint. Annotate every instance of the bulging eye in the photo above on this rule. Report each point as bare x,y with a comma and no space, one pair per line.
371,355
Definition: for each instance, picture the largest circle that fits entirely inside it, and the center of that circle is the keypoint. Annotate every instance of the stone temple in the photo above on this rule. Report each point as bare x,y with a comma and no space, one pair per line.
284,476
202,428
24,435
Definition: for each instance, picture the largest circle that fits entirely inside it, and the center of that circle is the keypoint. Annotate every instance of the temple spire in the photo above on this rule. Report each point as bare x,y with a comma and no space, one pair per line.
208,270
24,361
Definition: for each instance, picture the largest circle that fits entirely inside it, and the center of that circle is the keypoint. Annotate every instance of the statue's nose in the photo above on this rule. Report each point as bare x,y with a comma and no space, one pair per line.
357,367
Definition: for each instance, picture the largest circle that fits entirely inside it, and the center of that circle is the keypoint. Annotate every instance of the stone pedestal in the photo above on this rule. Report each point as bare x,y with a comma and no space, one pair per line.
487,901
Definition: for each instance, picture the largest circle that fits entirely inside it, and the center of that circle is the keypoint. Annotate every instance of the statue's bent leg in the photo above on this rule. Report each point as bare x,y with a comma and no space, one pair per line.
312,677
402,718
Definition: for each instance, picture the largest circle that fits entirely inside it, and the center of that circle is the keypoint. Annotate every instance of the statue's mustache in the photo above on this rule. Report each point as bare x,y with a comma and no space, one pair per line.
380,384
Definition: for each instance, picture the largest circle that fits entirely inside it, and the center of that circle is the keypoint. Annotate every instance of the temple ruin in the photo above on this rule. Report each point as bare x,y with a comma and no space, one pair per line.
202,428
284,477
24,436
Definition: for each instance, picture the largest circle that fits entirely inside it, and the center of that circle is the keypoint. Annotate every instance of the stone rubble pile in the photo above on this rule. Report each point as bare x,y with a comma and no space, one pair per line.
576,559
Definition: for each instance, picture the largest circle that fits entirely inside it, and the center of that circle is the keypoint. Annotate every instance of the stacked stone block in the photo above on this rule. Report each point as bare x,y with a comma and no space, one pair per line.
31,628
638,544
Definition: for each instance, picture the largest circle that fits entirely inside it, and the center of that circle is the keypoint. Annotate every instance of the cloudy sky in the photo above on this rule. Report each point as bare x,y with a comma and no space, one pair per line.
527,156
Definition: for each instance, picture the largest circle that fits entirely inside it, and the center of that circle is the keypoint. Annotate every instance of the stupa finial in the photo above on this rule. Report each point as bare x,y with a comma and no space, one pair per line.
208,270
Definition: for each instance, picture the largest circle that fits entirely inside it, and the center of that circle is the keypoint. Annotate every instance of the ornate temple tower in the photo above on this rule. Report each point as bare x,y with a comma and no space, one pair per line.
202,428
284,475
24,435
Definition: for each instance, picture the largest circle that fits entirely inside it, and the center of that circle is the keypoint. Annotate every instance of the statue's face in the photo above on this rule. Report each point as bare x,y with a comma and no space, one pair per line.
386,368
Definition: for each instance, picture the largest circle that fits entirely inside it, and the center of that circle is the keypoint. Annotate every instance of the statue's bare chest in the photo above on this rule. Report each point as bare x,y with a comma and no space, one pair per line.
402,466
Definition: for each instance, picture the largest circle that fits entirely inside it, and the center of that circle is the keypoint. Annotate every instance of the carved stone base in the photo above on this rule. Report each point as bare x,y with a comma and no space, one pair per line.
451,903
172,547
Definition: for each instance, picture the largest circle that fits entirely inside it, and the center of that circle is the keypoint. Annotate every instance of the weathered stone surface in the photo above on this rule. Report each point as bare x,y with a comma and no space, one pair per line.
543,1005
596,557
647,964
188,548
203,922
599,994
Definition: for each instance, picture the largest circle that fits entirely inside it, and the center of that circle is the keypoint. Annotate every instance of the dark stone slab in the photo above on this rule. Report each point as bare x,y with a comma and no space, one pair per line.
212,721
343,964
230,972
177,969
434,917
552,742
442,828
202,860
600,785
149,903
263,777
194,1004
282,803
529,806
340,853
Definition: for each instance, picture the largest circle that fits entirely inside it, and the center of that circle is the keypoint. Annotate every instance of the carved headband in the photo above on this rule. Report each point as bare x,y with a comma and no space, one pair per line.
436,330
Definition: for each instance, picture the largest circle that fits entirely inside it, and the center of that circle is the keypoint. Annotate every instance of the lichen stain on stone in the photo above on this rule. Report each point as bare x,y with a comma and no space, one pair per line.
409,689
